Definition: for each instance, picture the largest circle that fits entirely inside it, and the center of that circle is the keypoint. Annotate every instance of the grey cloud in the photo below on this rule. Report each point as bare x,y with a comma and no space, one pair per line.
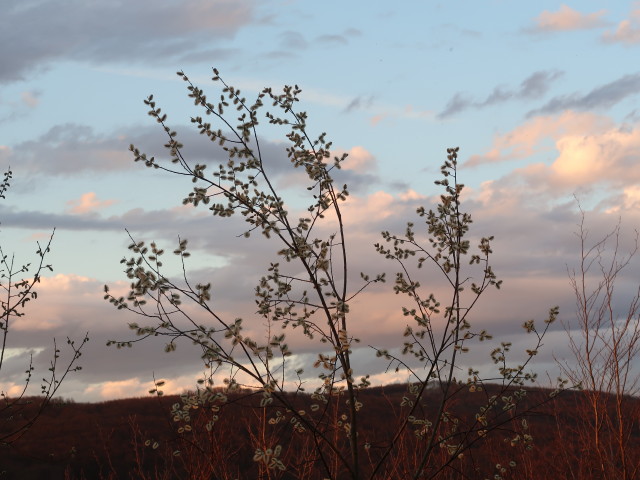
38,33
213,56
360,102
294,40
70,149
471,33
538,83
278,55
604,96
332,40
399,185
457,104
74,150
534,86
499,95
633,116
153,220
357,182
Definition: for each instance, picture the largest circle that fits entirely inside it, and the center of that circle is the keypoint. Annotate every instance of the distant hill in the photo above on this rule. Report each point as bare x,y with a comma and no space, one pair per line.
140,438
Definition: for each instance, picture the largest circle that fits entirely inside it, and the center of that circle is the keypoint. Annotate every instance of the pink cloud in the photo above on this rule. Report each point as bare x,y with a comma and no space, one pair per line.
31,99
627,31
527,139
584,154
410,195
55,294
359,160
5,152
406,112
629,200
358,210
131,387
566,19
38,236
88,203
376,119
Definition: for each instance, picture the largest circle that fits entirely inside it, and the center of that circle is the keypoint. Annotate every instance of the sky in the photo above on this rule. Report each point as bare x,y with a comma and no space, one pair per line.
541,97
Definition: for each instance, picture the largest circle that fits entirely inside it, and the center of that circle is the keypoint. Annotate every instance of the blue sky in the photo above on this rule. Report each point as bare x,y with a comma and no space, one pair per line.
541,97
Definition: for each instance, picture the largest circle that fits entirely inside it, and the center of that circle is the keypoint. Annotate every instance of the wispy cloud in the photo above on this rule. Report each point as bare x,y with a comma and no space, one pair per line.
332,40
534,86
293,40
18,105
604,96
361,102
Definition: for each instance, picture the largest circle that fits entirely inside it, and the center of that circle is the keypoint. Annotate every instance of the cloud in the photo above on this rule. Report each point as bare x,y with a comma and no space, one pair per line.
360,103
48,313
458,103
627,31
212,56
534,86
88,203
567,19
332,40
31,98
538,83
5,152
392,112
153,31
131,387
585,154
628,200
293,40
376,119
73,150
359,160
604,96
607,156
528,139
19,106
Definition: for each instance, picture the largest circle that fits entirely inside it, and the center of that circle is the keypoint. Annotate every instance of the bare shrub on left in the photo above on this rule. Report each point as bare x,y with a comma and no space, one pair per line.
18,287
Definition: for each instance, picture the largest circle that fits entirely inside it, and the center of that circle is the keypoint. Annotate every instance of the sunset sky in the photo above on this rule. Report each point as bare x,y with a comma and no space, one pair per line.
541,97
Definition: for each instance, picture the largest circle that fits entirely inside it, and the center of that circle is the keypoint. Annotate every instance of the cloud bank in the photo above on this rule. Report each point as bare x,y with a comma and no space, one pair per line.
148,31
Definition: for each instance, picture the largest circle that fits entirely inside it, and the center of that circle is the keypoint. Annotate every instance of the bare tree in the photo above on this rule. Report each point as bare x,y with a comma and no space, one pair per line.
604,342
